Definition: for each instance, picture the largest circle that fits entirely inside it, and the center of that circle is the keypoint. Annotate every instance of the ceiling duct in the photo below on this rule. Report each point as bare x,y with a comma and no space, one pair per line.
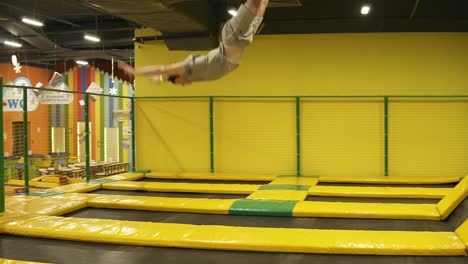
284,3
164,15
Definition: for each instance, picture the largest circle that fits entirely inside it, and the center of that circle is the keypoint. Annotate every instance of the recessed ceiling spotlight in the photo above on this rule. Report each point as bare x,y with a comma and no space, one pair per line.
365,9
92,38
12,44
82,62
32,22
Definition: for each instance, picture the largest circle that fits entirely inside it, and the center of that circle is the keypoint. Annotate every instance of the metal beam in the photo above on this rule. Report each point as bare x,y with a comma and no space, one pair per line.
104,42
39,14
100,29
29,35
415,7
74,54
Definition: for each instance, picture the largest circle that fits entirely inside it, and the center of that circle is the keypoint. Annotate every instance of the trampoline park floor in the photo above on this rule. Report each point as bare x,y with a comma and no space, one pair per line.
44,248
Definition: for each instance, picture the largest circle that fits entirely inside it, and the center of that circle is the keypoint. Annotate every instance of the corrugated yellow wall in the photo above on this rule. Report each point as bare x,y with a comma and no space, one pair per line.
173,135
380,63
342,137
256,136
428,137
338,136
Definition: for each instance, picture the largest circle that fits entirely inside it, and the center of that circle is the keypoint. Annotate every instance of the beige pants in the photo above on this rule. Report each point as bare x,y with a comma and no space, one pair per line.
238,31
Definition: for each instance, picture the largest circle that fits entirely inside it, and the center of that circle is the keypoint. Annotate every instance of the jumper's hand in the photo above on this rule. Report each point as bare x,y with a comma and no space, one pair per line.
129,70
159,73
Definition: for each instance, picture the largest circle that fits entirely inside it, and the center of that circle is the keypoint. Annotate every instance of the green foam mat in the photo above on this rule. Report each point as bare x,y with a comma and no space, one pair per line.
262,207
296,187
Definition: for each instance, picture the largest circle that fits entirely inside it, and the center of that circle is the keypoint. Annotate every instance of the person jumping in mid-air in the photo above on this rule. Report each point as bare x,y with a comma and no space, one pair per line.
237,34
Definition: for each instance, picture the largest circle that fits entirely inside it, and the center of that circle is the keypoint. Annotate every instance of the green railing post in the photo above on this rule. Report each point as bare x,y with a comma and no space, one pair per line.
25,141
132,117
386,135
87,147
211,135
2,164
298,136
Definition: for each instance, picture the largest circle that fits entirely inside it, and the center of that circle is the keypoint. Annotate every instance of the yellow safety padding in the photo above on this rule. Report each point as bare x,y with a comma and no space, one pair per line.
43,184
37,184
15,182
462,233
78,188
129,176
10,261
182,187
366,210
378,192
13,201
37,179
214,176
453,199
237,238
54,179
51,205
188,205
391,179
290,195
295,180
76,180
161,175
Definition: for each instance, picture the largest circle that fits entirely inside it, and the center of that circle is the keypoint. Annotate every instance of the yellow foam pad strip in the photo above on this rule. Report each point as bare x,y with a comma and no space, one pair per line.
208,206
78,188
33,184
366,210
129,176
390,179
236,238
295,180
10,261
52,205
453,198
462,233
182,187
289,195
213,176
378,192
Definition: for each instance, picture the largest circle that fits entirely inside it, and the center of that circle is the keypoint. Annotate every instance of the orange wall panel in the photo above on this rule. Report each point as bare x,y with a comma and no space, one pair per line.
38,119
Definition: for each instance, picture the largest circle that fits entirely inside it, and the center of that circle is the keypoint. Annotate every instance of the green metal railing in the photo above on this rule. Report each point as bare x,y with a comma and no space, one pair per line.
298,136
2,160
25,141
211,100
212,166
385,99
386,136
86,134
87,131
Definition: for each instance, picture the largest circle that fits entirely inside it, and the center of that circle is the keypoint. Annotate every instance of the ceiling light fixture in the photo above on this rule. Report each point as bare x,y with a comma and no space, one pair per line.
232,12
92,38
12,44
32,22
82,62
365,9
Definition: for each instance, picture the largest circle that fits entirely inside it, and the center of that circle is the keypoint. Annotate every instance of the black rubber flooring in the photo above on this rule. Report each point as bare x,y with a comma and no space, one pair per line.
445,185
204,181
371,200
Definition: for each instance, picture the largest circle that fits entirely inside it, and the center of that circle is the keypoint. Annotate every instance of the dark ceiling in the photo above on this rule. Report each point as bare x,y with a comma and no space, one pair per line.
194,24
